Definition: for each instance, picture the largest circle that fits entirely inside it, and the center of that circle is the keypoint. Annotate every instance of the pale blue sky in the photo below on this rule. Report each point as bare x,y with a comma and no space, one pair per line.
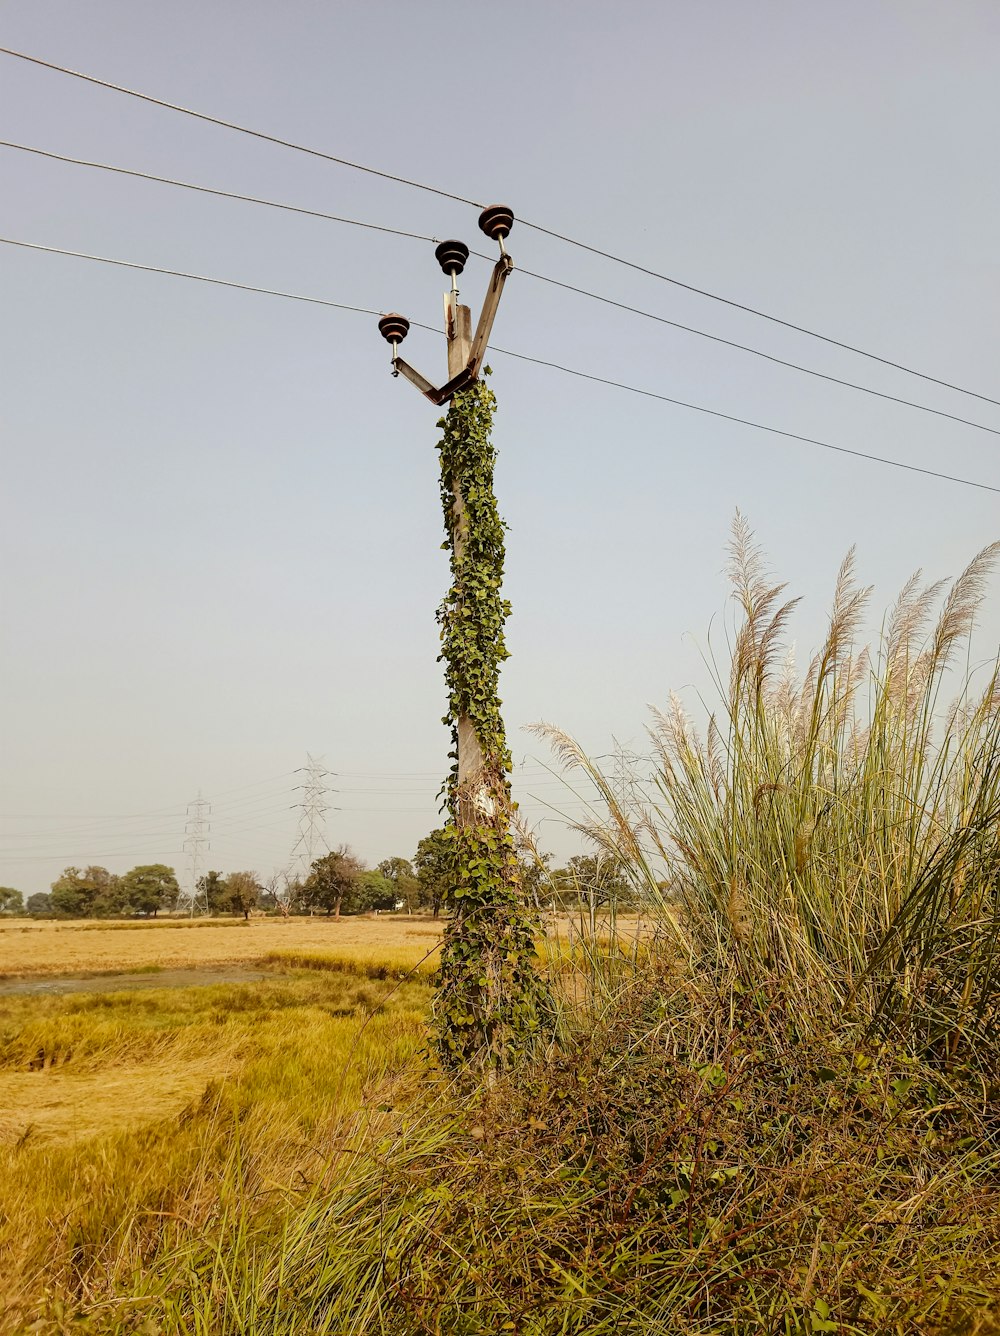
221,527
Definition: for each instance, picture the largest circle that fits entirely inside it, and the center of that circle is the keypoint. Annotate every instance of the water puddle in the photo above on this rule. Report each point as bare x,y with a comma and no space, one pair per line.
55,985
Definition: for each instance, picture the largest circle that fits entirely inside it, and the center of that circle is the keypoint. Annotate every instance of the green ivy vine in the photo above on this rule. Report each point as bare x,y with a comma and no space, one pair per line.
490,1000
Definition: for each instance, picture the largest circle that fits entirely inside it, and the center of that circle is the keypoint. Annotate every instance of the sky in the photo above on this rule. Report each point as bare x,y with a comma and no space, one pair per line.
221,530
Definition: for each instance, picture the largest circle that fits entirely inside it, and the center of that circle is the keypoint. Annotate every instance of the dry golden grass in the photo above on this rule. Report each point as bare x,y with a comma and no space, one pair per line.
50,948
59,1106
131,1120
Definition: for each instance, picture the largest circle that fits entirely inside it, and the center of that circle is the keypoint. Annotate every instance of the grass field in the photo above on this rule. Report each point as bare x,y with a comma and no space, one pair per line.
132,1119
48,947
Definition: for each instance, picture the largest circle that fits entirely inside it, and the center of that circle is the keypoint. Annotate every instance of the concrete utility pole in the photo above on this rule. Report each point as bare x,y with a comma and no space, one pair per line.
458,332
490,1004
465,359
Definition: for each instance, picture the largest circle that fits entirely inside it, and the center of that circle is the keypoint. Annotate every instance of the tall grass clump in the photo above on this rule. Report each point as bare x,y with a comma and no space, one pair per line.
839,829
835,829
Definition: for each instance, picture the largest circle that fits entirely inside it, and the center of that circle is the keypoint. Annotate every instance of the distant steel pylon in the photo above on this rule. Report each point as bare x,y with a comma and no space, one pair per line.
197,829
312,823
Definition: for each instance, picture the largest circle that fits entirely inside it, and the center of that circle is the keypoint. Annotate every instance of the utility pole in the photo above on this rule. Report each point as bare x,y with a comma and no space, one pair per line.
314,807
465,359
197,829
490,1003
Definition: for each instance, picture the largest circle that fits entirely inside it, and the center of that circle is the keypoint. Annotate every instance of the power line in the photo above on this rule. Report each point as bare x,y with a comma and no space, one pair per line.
757,352
522,357
747,422
461,199
751,310
232,125
108,853
197,278
256,783
528,273
209,190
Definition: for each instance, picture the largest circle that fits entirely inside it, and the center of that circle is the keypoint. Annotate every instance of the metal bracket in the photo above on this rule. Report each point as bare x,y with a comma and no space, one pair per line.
477,352
400,367
485,327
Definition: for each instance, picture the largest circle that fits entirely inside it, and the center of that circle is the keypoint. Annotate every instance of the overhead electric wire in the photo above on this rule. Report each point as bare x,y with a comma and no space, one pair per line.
92,825
81,834
232,125
528,273
461,199
757,352
107,853
762,315
177,809
221,194
253,784
180,273
251,801
522,357
90,817
747,422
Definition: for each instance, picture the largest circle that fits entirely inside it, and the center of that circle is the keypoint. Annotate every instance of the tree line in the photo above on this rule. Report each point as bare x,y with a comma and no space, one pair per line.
337,883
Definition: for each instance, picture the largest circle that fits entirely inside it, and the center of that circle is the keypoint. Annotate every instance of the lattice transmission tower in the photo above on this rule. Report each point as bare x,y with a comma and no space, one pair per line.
197,829
311,839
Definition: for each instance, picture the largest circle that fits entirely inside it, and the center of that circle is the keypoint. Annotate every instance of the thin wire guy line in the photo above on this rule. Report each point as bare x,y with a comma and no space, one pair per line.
209,190
460,199
529,273
522,357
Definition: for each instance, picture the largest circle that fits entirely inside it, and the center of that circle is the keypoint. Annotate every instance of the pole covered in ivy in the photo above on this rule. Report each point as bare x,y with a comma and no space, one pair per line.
490,1001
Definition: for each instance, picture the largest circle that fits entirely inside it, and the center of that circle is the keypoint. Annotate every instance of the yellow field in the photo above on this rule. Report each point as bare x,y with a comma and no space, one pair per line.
132,1115
201,1071
48,948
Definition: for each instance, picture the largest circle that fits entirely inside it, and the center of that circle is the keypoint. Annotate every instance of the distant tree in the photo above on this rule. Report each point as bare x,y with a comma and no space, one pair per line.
400,872
535,876
150,888
296,896
40,903
211,891
432,862
274,893
242,892
334,883
592,881
377,891
93,892
11,901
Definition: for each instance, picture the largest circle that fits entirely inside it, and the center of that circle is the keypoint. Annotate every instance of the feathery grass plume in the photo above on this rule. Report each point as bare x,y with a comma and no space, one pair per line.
758,640
965,598
621,831
839,833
